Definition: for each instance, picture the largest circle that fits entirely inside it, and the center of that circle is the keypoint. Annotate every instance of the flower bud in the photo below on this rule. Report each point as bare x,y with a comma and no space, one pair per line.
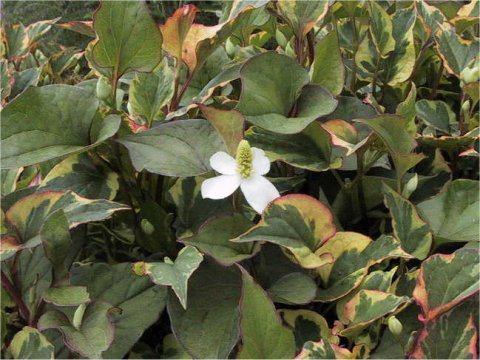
104,88
395,326
469,75
147,227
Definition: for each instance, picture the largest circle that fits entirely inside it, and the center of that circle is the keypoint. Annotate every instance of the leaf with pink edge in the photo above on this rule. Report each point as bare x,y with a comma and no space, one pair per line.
299,223
446,280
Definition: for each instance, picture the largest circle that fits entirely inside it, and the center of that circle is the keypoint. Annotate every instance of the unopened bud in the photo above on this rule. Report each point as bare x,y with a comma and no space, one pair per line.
103,88
395,326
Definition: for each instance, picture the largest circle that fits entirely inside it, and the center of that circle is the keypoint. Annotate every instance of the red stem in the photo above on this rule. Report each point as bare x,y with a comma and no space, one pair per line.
16,297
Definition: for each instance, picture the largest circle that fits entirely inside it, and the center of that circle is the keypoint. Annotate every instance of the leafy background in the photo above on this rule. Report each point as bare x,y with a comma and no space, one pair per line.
368,111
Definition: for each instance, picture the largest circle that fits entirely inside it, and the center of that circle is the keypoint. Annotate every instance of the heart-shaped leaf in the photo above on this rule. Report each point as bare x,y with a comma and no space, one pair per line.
119,286
29,343
127,38
174,274
453,213
213,239
180,148
446,280
44,123
209,327
93,335
297,222
287,105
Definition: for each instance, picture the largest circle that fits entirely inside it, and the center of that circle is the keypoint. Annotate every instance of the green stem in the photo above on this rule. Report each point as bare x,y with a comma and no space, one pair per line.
339,179
436,83
359,182
355,49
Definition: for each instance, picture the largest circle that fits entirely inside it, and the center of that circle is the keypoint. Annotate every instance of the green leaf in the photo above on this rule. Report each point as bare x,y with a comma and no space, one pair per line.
302,16
154,233
308,325
172,349
381,29
83,175
29,213
6,81
175,274
376,280
180,148
436,114
67,295
407,109
413,233
455,51
140,302
452,335
44,123
399,65
209,327
310,149
283,85
327,69
24,79
94,335
213,239
324,350
228,123
192,209
367,306
446,280
350,108
16,41
297,222
354,254
263,335
55,235
149,93
447,143
393,131
390,347
431,17
293,288
127,37
34,276
29,343
453,213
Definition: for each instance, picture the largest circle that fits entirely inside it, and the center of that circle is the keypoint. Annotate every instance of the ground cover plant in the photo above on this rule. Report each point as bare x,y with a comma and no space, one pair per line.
298,179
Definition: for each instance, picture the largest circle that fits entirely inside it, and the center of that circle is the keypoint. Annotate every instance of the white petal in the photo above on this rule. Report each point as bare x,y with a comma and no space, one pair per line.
219,187
223,163
261,163
259,192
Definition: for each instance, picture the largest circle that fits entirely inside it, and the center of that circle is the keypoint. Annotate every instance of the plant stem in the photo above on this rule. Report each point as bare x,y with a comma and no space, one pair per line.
461,117
433,95
355,49
184,88
359,181
311,46
339,179
176,84
16,297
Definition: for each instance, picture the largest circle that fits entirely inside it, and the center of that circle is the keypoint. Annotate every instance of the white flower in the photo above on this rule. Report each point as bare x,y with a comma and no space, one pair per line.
246,172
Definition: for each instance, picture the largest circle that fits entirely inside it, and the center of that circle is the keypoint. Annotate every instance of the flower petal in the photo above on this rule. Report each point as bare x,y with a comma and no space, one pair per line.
223,163
261,163
219,187
259,192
